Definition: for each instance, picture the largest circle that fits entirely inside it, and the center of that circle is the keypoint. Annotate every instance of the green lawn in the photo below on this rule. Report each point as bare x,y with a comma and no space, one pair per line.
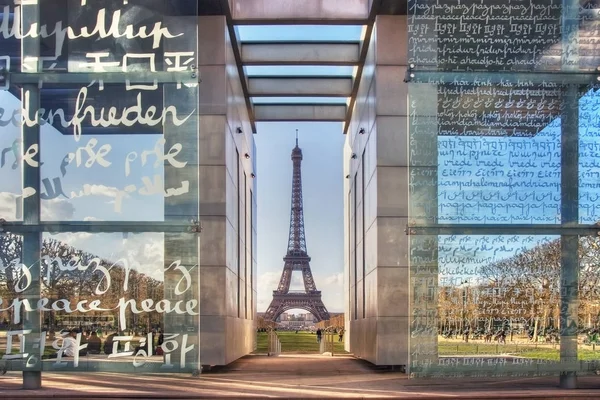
291,342
529,350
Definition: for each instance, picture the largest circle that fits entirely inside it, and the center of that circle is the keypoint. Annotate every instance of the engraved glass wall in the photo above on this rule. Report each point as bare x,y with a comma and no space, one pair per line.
99,185
503,146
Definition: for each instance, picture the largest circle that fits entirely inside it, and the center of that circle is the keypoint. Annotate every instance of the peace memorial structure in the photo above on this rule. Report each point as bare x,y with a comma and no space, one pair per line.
128,181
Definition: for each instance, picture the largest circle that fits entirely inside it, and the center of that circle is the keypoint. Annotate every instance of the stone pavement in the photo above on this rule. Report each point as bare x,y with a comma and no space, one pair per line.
290,376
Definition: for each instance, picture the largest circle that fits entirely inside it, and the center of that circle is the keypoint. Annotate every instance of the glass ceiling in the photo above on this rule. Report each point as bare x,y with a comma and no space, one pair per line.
300,100
300,70
320,33
304,33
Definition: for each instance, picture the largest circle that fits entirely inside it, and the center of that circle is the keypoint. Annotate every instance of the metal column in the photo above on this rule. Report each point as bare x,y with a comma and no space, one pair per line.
569,273
32,241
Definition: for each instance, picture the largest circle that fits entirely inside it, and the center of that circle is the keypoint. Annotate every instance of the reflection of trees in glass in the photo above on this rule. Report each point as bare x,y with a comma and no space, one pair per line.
73,275
524,288
523,292
10,273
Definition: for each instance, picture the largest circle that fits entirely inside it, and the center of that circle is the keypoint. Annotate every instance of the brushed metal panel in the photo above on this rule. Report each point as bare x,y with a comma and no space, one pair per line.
370,339
212,295
392,43
231,193
230,154
352,274
392,92
231,296
371,295
212,189
392,141
356,337
393,340
371,156
392,191
211,40
213,90
211,149
392,292
239,338
213,241
371,203
233,115
230,245
392,242
359,188
371,246
212,340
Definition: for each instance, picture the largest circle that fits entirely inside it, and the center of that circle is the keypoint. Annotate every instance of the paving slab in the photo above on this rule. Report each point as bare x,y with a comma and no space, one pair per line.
292,377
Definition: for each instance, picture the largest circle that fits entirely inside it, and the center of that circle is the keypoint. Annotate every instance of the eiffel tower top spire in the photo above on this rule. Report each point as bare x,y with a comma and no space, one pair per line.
297,239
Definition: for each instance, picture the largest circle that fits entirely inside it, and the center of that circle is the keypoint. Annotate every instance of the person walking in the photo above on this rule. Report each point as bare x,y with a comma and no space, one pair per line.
319,333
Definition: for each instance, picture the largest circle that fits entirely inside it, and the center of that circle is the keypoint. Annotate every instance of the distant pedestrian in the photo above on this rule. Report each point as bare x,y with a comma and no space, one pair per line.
341,335
319,333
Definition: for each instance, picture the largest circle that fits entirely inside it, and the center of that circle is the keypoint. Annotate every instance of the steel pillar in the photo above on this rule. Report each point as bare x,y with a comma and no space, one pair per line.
569,273
31,203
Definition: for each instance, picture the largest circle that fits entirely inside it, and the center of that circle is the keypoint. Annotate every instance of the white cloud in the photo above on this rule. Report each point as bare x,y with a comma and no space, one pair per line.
336,279
74,239
52,210
98,190
57,210
144,252
89,219
297,282
268,281
8,206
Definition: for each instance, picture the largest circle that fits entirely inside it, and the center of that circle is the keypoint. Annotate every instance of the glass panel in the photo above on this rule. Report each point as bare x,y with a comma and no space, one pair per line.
300,100
503,188
107,287
495,305
498,161
301,70
589,154
12,281
100,163
10,165
317,33
116,172
588,334
512,35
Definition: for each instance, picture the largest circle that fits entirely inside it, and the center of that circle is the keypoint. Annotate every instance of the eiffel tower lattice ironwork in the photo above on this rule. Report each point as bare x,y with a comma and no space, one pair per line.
297,259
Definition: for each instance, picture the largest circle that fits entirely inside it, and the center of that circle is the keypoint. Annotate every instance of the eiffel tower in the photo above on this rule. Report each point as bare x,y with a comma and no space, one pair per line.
296,259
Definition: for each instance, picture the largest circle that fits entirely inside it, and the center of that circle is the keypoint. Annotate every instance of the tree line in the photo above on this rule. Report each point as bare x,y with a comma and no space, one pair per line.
522,293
